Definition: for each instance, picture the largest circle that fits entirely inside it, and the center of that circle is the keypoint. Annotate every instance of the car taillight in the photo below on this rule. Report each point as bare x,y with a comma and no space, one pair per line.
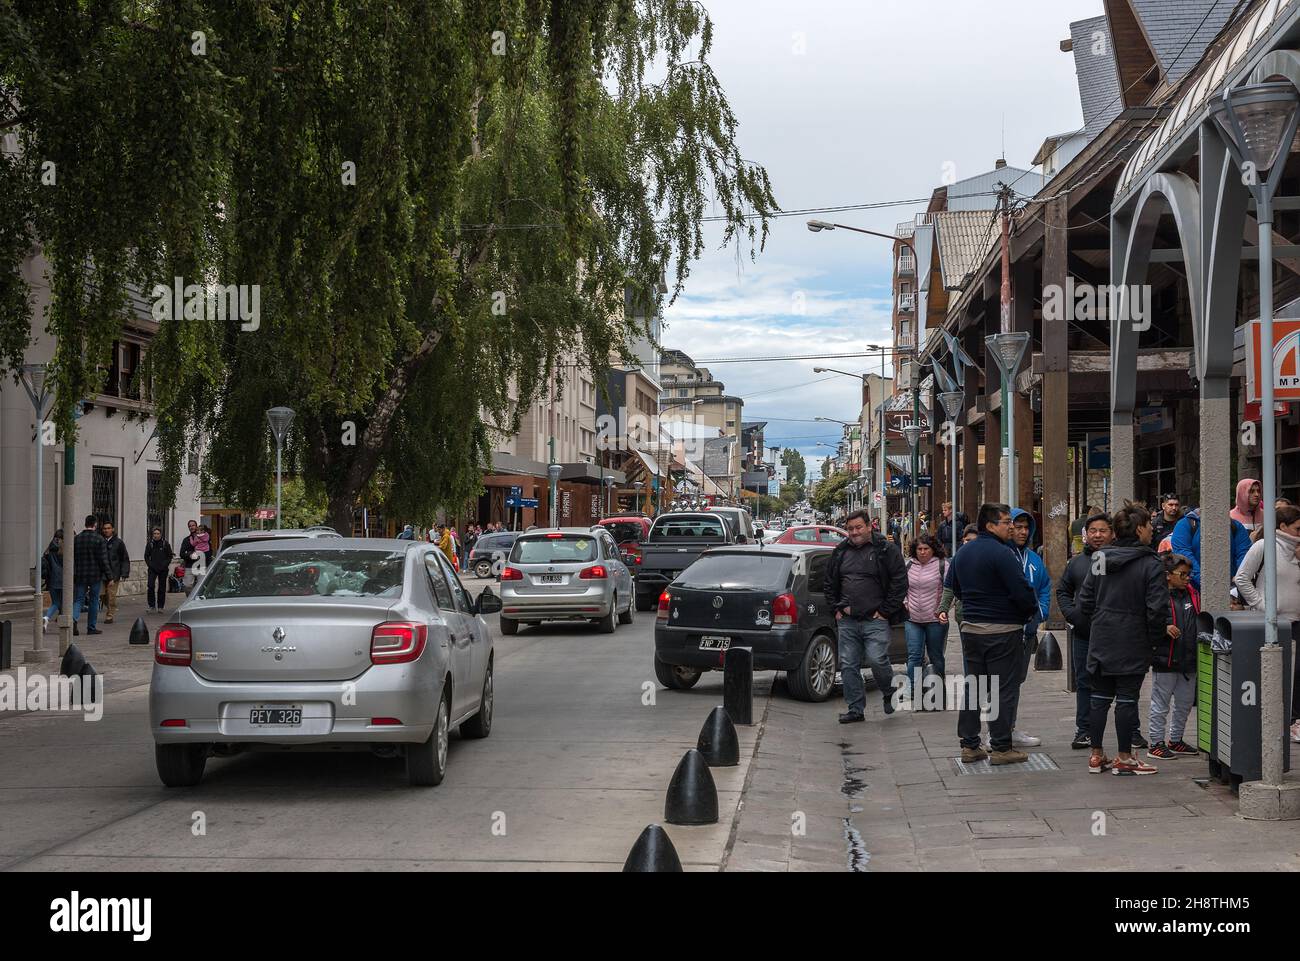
554,537
597,572
664,600
512,574
397,642
638,558
174,646
785,610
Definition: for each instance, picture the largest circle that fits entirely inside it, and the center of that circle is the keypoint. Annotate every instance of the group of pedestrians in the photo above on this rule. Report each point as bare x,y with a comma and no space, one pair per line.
101,562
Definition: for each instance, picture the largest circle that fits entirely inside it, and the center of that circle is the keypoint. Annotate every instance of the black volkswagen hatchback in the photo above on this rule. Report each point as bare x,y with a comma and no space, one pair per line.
766,598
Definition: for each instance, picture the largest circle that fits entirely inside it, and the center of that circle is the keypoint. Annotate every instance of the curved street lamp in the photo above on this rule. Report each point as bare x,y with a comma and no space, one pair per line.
1259,124
280,418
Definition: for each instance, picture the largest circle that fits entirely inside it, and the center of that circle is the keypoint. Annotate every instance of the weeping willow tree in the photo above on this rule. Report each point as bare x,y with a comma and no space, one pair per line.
429,205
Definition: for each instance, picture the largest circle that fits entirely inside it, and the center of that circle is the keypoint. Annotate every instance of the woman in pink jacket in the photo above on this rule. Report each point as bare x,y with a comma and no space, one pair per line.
926,568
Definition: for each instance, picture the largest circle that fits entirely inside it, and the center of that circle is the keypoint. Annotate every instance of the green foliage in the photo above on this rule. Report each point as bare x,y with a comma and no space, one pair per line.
300,505
797,470
501,206
830,492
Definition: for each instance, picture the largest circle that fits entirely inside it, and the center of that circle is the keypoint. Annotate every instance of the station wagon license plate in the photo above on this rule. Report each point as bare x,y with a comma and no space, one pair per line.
710,642
280,715
550,578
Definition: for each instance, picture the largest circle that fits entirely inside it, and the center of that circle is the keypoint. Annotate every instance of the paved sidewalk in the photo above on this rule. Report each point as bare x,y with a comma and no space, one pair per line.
886,795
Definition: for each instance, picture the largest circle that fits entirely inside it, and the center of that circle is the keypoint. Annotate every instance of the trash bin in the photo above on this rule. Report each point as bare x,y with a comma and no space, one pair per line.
1236,695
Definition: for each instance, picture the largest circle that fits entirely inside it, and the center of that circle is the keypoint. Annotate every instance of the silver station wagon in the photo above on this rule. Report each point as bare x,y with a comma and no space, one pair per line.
569,573
351,643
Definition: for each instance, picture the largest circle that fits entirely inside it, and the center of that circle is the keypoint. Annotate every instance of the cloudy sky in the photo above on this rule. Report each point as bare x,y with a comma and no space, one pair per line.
856,102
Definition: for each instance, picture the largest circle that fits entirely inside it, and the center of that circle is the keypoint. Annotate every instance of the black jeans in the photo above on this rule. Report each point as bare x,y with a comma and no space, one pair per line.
1123,689
991,659
160,579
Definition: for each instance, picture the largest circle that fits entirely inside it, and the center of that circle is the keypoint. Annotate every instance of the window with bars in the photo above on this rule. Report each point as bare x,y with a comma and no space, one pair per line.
103,493
153,501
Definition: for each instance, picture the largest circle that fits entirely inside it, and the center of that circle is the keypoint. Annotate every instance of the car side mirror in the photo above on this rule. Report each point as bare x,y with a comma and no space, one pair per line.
487,603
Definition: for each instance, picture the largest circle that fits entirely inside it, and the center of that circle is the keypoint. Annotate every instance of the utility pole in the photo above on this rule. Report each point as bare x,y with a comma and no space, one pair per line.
1008,454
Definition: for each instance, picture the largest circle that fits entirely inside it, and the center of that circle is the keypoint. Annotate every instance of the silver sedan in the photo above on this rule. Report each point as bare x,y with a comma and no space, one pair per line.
569,573
363,644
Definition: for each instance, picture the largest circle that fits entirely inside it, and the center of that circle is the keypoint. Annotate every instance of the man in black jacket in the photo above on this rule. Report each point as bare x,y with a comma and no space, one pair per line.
119,569
1096,535
866,586
89,571
945,529
158,559
1166,519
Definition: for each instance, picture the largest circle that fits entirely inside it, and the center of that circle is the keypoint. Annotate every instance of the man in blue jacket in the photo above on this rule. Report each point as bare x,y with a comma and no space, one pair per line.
1186,540
997,602
1035,571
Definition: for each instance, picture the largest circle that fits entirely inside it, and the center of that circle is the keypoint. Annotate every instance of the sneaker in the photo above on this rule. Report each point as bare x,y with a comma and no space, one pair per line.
889,702
1098,763
851,717
45,625
1138,740
1160,752
1021,739
1133,767
1183,749
1082,740
1010,756
94,630
970,755
1295,732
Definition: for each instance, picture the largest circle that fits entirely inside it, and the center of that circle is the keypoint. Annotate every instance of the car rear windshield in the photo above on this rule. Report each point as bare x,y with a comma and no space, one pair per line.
702,526
554,550
497,543
323,573
624,532
758,571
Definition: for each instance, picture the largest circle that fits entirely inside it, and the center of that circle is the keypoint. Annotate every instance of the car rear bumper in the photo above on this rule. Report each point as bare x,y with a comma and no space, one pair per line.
334,712
774,650
594,602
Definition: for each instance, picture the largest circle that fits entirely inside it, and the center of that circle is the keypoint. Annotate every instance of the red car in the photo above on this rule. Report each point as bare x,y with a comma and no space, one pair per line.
812,534
628,531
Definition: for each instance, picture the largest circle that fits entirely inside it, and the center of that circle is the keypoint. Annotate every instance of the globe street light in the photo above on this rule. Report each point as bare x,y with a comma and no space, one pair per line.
1007,350
1259,124
280,418
952,401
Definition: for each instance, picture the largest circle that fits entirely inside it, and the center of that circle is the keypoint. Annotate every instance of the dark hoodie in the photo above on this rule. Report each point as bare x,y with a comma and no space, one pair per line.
1127,606
1179,654
1067,591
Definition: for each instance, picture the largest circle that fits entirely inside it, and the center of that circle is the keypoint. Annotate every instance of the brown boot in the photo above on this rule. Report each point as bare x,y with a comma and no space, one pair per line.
971,755
1009,756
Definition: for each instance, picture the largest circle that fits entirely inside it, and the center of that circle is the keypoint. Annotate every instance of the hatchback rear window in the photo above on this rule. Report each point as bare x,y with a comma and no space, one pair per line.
554,550
624,532
758,571
322,573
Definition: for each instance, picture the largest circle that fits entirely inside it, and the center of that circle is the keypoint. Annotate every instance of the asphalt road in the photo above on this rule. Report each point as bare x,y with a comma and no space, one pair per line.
575,767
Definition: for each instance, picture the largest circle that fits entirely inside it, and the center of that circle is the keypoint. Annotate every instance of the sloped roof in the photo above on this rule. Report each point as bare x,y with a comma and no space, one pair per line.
980,192
965,237
1180,30
1094,64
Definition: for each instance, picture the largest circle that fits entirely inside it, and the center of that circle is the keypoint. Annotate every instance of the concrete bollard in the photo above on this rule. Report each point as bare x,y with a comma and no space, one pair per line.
653,853
738,685
718,741
692,795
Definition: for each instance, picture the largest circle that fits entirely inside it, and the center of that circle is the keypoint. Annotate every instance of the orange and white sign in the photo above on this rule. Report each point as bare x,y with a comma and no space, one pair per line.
1285,361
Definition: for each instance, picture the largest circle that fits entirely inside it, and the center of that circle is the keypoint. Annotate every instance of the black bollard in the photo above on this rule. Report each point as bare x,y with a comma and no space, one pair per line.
6,645
738,684
139,632
653,853
718,742
692,795
74,662
1048,657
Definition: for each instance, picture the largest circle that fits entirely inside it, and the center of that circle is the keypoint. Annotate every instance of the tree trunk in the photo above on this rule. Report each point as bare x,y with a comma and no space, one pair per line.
340,513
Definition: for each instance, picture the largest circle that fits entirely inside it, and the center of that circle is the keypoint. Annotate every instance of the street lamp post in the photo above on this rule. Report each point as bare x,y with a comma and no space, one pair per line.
280,418
952,401
1259,124
553,472
609,492
1007,350
33,378
638,486
913,432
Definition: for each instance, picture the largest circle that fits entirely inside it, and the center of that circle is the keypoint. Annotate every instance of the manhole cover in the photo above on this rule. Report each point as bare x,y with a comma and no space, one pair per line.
1036,762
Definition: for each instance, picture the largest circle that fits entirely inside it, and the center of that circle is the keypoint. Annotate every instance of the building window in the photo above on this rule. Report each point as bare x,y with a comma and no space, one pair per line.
682,391
153,501
1157,473
103,493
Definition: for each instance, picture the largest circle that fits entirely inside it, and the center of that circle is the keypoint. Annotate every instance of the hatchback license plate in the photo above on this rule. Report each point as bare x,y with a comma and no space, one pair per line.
276,716
712,643
551,578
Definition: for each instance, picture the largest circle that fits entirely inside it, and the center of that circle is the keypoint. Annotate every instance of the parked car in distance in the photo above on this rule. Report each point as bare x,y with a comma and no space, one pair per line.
364,644
768,599
812,534
629,532
489,553
567,573
676,539
740,520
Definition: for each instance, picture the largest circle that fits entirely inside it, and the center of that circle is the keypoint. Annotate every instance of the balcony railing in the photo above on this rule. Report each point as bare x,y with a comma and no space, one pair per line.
906,304
906,263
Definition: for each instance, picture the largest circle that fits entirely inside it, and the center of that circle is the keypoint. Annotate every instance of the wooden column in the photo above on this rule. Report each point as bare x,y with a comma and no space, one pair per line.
1023,295
1056,402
